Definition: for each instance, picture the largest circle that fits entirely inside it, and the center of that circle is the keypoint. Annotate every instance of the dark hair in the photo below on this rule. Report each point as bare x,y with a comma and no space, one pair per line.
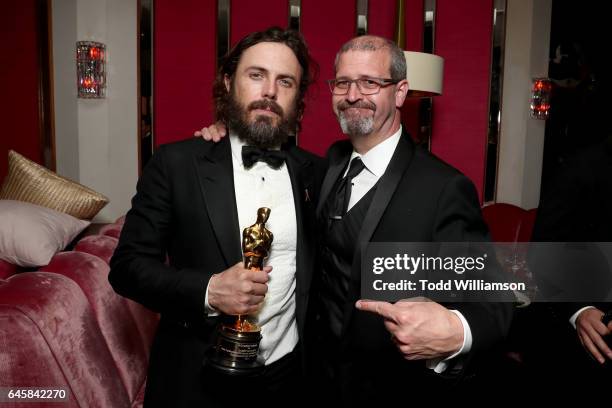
229,63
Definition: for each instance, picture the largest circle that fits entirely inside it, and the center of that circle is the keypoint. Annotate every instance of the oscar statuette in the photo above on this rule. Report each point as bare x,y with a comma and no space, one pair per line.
237,341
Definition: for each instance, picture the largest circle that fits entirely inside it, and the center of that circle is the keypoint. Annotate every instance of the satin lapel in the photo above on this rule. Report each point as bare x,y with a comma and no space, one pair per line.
215,172
302,176
337,162
384,191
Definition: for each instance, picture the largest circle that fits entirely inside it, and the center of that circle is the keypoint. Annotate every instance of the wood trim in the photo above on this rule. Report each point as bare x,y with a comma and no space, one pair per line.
138,89
51,100
45,84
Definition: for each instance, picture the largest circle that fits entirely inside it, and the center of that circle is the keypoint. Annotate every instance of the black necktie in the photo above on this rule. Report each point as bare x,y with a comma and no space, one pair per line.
253,154
343,194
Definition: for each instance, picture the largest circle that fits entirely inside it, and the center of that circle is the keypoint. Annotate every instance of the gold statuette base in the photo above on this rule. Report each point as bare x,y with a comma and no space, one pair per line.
235,351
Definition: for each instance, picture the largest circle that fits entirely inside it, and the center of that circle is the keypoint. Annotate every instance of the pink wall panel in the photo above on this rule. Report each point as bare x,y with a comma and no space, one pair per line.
326,25
381,18
185,59
460,115
19,64
414,25
247,16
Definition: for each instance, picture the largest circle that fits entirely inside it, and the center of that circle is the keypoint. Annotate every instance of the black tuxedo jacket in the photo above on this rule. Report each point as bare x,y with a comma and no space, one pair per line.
183,228
575,208
418,199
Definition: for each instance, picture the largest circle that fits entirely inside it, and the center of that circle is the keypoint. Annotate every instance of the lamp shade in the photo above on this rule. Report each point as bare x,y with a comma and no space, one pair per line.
424,74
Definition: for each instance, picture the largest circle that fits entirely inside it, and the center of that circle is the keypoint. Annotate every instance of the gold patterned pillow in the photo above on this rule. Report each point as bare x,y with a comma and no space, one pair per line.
32,183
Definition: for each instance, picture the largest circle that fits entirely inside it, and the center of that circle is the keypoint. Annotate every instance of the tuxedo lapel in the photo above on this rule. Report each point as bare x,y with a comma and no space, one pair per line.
302,178
338,160
382,196
215,172
384,191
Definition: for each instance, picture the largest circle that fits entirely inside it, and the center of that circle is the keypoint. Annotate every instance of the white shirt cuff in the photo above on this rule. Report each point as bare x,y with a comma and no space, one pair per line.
439,365
210,311
572,319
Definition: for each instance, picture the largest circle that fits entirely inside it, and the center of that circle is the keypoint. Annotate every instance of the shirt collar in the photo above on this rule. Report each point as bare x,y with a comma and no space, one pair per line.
377,158
236,144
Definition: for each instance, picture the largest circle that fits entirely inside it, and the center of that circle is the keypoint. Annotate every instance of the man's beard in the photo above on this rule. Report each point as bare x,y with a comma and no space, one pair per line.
355,126
260,132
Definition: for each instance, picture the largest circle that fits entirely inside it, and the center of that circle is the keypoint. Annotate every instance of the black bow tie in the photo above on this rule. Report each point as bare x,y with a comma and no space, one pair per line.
252,154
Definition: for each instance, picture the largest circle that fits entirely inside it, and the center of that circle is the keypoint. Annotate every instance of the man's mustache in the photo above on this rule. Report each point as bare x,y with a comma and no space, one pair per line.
266,104
344,105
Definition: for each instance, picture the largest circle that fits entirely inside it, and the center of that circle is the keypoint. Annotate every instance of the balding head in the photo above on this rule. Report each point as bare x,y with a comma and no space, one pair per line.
372,43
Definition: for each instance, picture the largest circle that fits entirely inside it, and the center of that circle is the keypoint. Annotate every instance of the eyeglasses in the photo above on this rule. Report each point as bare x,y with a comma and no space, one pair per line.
367,86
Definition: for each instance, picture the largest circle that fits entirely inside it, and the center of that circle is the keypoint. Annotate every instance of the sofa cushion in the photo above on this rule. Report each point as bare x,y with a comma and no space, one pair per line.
112,230
30,234
30,182
139,401
54,340
28,359
147,322
102,246
111,311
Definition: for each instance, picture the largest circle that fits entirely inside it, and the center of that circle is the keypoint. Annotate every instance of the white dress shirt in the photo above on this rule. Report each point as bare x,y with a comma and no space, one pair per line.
263,186
376,161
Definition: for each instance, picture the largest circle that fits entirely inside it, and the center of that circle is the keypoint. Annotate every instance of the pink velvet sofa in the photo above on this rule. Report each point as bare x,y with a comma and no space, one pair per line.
63,326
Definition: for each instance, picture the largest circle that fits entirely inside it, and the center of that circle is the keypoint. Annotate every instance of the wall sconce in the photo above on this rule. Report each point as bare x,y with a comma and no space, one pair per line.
424,74
540,98
91,69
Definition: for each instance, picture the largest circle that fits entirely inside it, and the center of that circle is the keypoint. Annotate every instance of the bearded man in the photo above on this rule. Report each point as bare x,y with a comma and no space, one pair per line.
179,253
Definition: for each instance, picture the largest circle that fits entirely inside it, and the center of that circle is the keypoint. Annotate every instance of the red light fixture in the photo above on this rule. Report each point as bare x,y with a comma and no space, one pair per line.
540,98
91,69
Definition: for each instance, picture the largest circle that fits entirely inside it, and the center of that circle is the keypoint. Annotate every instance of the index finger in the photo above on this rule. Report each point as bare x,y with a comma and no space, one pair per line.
591,348
384,309
600,343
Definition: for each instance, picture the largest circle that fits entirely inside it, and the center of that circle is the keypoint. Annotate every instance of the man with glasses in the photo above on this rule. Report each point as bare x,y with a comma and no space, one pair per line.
396,193
380,188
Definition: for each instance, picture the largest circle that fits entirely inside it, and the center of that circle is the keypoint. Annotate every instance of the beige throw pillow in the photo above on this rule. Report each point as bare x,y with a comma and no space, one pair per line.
30,182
